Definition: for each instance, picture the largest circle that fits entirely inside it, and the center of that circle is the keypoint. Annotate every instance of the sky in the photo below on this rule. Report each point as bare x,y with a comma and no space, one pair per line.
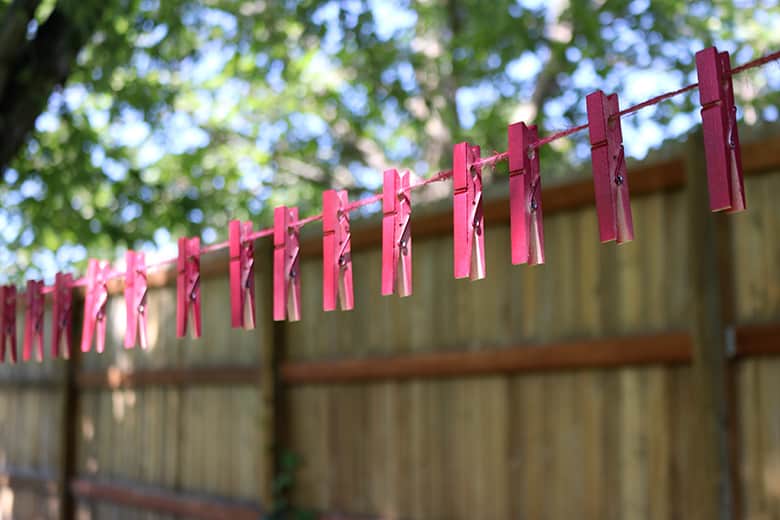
181,130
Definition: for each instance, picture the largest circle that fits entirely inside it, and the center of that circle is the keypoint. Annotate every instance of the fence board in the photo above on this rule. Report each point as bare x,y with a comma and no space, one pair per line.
756,253
31,404
432,406
184,409
456,329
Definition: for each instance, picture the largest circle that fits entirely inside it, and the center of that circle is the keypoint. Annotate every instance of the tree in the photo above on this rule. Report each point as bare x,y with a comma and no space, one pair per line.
126,121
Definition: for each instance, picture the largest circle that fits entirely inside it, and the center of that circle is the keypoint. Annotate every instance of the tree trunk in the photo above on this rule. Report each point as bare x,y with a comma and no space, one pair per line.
36,68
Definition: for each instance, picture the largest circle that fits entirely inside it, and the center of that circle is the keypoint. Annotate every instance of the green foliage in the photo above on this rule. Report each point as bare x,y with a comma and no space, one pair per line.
283,484
182,114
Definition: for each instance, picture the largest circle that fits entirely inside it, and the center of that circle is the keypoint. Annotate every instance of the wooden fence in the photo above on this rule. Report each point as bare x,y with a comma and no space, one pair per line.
638,381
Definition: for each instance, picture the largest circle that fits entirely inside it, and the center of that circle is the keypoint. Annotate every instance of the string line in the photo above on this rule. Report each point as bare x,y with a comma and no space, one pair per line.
490,160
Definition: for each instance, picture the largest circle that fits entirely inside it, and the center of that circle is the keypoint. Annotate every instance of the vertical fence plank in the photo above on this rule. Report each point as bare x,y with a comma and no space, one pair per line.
711,312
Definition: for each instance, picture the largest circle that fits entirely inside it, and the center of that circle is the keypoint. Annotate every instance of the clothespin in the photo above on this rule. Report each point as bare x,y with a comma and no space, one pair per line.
242,275
396,234
287,279
62,307
525,195
33,320
721,136
8,325
610,182
468,219
98,272
336,252
135,299
188,286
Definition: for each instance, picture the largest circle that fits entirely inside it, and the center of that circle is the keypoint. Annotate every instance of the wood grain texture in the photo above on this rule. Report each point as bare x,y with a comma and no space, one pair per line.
711,312
188,411
31,415
556,391
542,438
756,256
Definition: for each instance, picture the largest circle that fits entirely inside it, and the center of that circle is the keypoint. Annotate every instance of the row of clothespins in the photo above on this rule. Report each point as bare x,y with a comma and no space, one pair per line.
613,209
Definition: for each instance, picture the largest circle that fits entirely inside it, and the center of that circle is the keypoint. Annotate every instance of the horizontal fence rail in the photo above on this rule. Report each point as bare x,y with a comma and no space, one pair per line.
213,375
671,348
668,348
162,500
37,481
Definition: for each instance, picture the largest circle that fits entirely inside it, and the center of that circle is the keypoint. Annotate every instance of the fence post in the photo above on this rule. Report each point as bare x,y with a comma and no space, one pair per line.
272,404
711,432
70,412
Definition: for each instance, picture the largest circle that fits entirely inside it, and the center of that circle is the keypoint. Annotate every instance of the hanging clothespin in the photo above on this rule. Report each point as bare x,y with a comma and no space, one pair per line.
188,286
525,195
242,275
287,278
98,272
468,219
336,252
721,135
396,234
135,299
61,311
8,325
610,182
33,320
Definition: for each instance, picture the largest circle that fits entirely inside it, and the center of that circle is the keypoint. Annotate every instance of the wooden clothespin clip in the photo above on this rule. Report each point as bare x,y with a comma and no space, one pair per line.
287,278
8,325
98,272
525,195
610,182
61,309
721,135
336,252
33,320
135,299
396,234
188,286
242,275
468,219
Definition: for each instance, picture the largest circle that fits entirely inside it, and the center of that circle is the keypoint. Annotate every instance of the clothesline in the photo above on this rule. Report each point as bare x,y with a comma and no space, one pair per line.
490,160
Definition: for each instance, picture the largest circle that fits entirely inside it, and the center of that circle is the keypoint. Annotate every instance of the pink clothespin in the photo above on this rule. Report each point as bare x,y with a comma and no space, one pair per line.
242,275
721,135
98,272
33,320
525,196
8,325
135,299
468,219
287,278
336,252
610,182
188,286
61,311
396,234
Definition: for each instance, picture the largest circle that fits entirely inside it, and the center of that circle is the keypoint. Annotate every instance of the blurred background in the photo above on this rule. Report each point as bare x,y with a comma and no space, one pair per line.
128,123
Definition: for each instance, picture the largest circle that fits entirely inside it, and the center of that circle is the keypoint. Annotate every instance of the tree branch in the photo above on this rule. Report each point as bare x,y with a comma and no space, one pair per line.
546,84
